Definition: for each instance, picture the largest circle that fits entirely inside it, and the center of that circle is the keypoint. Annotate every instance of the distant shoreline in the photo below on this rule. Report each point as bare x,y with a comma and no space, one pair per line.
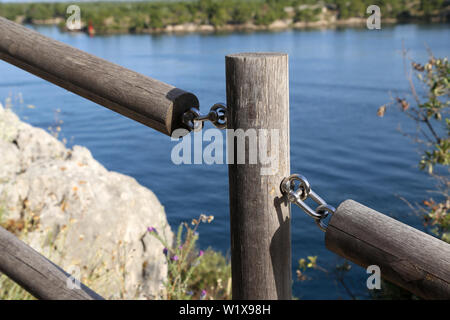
278,25
208,16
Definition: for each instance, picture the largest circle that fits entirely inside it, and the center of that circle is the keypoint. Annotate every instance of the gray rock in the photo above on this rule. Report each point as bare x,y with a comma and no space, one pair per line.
91,220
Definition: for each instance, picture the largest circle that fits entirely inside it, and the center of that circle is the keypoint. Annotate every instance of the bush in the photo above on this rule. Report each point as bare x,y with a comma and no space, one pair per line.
193,273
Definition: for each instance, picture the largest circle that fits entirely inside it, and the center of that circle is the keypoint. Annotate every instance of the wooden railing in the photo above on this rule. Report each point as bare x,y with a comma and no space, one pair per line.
406,256
36,274
149,101
257,98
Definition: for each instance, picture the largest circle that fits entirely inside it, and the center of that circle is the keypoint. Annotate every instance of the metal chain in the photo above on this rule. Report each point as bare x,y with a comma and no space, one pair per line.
217,115
299,195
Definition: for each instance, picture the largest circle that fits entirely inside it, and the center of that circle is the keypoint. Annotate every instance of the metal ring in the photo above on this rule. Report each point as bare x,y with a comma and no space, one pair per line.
217,115
321,225
304,191
307,209
325,210
219,119
288,186
317,214
317,199
190,117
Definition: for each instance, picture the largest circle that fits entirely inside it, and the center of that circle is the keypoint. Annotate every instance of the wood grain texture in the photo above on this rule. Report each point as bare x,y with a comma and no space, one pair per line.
258,98
36,274
149,101
406,256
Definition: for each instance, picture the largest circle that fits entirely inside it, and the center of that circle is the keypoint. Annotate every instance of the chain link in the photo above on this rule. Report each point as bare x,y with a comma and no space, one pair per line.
298,194
217,115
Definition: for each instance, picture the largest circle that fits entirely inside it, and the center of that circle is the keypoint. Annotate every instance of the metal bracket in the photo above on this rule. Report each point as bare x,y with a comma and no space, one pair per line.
217,115
304,191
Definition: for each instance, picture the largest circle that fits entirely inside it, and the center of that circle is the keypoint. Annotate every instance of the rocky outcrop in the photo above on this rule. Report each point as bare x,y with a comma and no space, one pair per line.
83,217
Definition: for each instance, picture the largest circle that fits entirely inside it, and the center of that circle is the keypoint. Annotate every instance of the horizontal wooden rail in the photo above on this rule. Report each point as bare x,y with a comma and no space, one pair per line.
35,273
406,256
149,101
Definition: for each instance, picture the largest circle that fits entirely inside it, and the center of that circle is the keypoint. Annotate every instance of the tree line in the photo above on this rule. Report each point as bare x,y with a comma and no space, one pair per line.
134,16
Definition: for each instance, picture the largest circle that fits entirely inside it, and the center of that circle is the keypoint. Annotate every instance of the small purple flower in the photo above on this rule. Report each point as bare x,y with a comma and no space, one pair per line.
175,258
180,247
165,251
151,230
203,294
189,293
201,253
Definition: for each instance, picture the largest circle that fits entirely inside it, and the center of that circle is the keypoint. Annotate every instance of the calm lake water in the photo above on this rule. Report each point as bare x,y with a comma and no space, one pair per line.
338,79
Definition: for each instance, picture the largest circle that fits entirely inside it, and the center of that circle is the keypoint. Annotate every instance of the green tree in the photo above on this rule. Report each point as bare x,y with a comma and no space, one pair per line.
243,12
218,15
156,18
431,116
38,11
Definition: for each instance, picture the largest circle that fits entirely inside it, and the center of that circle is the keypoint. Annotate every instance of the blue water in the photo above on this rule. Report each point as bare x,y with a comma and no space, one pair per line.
338,79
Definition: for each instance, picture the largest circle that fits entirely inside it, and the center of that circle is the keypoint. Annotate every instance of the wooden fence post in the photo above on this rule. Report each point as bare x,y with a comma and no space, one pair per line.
258,98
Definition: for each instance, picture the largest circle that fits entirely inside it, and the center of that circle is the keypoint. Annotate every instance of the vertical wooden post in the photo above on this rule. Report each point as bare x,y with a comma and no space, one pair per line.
258,98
